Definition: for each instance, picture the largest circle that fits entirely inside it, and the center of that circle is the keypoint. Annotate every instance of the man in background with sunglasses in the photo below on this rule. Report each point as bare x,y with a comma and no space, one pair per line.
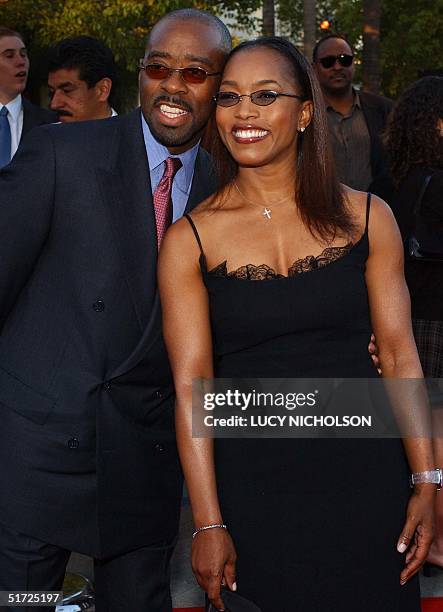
356,118
87,447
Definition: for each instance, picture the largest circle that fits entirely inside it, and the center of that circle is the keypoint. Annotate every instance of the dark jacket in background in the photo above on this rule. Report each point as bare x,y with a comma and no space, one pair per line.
87,447
425,280
376,110
34,116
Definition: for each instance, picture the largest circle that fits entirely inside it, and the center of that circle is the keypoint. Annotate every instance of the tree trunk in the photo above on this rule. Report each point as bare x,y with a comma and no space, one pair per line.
268,18
371,46
309,27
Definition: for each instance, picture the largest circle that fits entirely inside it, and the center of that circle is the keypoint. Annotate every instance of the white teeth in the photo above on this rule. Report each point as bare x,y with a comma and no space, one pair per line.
250,133
172,111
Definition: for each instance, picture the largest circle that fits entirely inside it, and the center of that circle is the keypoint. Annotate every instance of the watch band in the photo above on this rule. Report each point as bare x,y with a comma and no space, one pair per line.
428,477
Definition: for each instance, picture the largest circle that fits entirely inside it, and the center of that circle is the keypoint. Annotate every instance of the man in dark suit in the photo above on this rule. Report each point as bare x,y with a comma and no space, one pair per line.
87,447
356,118
17,115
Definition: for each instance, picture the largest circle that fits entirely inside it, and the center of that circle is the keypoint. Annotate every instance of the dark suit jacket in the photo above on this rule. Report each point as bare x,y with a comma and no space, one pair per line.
34,116
376,110
87,447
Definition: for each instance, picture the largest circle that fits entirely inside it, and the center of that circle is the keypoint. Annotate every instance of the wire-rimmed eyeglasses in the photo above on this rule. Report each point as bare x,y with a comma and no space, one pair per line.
264,97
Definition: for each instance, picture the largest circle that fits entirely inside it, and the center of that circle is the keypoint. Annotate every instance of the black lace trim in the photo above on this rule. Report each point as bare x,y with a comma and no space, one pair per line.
264,272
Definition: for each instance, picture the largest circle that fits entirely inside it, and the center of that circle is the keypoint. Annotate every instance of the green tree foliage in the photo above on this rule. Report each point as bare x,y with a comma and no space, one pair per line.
122,24
411,34
411,37
411,41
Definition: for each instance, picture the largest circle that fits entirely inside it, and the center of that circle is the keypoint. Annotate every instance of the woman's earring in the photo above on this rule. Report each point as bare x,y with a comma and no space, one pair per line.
301,129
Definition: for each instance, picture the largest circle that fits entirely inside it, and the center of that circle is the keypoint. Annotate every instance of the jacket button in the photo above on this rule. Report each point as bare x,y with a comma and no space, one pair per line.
107,386
73,443
159,394
159,448
98,306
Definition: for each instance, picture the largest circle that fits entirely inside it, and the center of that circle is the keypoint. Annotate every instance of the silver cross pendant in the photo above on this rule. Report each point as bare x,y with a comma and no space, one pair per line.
266,213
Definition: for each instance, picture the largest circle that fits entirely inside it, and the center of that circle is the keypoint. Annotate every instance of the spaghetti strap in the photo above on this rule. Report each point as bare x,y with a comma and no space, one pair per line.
368,207
194,229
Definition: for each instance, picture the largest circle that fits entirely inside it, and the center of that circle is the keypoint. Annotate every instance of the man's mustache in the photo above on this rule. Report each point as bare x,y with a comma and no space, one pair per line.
62,113
173,102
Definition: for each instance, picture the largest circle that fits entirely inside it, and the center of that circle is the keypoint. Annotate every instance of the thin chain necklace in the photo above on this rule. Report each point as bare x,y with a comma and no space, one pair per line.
266,212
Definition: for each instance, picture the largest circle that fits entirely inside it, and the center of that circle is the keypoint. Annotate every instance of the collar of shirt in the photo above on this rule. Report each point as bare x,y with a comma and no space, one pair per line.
14,107
158,153
355,104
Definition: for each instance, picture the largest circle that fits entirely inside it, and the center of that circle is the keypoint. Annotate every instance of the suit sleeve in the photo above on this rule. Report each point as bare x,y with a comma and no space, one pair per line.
26,208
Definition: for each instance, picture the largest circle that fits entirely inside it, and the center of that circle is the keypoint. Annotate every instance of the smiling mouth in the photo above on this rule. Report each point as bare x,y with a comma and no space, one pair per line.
21,74
172,112
249,134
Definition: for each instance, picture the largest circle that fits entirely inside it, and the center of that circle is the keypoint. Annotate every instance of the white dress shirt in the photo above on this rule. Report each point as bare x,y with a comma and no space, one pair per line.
15,118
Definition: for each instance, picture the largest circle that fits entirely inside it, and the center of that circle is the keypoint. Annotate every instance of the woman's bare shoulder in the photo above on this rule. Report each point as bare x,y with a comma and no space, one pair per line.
179,240
357,202
181,236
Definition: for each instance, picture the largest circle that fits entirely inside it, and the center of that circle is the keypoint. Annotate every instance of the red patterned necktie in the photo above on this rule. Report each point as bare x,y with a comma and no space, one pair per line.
162,197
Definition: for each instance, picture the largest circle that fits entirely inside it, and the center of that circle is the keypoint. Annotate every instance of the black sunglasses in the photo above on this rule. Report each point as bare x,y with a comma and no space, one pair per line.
343,59
264,97
160,72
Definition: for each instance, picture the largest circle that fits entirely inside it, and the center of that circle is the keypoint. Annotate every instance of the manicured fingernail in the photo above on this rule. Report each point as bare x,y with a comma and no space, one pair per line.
402,582
401,547
234,586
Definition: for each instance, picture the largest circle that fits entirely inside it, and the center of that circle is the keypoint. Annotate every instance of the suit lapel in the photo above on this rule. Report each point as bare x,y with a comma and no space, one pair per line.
374,122
126,187
34,116
29,120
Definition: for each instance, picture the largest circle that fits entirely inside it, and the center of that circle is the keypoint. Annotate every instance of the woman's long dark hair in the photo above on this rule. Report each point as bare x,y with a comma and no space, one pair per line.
318,193
412,136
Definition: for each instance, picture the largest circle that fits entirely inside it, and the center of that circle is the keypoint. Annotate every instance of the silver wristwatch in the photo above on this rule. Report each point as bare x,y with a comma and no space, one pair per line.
430,476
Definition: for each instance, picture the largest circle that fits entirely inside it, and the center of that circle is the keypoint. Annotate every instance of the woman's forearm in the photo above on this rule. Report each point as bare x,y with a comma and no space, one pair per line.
408,394
197,459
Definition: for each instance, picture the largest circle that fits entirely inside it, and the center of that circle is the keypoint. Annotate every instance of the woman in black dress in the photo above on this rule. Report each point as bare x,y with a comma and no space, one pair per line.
283,273
414,144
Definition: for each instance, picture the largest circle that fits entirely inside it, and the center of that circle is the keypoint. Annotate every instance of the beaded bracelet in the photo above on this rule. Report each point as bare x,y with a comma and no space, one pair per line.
205,527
